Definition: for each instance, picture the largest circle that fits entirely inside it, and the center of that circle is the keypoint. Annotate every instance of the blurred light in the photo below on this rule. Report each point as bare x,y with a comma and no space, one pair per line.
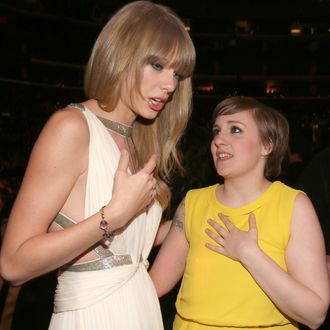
205,88
296,28
186,23
243,27
273,87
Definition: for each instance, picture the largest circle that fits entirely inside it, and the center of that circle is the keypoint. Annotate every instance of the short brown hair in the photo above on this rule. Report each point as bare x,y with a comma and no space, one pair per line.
272,125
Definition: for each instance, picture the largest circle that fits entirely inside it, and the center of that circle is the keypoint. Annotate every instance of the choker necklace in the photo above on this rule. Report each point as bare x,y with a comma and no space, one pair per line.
119,128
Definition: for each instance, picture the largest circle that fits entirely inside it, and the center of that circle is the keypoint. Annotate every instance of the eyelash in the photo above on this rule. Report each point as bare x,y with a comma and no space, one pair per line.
215,132
178,76
158,67
233,130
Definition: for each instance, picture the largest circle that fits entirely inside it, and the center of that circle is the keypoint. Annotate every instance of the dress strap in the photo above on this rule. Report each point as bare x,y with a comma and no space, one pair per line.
78,106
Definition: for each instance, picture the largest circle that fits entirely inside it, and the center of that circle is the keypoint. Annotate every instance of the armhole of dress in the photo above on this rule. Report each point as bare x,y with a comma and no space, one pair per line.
64,222
186,224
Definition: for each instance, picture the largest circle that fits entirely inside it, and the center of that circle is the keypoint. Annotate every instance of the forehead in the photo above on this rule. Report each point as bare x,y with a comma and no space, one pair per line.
245,117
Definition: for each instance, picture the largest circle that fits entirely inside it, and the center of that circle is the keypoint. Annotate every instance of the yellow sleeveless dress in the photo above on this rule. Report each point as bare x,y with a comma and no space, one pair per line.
217,292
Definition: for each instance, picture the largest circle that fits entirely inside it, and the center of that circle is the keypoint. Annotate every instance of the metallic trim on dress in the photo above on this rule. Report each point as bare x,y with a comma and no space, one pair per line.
105,263
107,258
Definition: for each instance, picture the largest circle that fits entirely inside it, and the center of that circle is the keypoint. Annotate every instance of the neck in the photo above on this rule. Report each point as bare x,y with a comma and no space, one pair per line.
236,193
119,128
121,113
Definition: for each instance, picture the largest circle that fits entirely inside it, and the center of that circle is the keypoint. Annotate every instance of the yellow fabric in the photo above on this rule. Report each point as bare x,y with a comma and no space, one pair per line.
182,324
217,291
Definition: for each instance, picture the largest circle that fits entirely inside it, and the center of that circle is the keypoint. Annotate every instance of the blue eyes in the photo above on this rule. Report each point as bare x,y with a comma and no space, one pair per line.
178,76
159,67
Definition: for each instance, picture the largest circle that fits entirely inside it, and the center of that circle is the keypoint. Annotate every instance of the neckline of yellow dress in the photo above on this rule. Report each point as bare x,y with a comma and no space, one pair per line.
250,207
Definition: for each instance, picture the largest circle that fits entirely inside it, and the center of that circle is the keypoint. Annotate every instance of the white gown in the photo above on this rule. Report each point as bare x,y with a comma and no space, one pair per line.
120,294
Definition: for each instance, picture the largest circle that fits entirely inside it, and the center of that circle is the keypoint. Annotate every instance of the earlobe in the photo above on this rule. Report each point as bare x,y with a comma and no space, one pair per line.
267,149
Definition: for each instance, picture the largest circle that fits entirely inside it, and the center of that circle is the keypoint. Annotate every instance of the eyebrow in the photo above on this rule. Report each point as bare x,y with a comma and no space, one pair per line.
235,122
232,122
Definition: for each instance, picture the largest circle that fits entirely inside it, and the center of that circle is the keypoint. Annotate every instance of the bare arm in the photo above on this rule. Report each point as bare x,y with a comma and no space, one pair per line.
328,263
162,232
302,293
54,168
170,262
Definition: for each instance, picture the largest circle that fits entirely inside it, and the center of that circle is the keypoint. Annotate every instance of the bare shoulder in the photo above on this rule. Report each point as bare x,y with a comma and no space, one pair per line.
67,121
303,208
66,129
63,141
305,224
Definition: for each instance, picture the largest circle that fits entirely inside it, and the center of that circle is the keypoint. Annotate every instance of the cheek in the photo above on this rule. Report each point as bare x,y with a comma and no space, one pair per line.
252,148
147,78
250,143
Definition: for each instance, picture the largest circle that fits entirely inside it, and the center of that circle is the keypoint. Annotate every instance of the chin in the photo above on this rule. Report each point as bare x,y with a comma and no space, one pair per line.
153,115
147,119
221,172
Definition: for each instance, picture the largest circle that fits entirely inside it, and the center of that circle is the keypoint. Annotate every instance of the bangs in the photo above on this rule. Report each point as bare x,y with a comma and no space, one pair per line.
172,47
235,104
225,108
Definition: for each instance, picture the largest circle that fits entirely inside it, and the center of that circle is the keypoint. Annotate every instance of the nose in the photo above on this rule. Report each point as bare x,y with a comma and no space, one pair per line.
169,81
219,139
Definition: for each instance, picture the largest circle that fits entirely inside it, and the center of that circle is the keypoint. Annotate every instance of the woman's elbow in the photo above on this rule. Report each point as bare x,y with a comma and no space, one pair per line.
318,320
10,273
315,324
322,316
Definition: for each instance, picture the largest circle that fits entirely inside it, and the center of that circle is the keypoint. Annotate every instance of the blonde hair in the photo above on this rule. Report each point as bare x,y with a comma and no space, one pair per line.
272,125
141,33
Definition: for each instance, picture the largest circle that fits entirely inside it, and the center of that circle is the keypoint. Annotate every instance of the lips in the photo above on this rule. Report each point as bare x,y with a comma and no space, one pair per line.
223,155
156,103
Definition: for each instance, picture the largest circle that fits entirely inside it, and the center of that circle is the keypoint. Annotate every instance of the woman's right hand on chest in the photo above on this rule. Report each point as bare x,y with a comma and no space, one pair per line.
132,193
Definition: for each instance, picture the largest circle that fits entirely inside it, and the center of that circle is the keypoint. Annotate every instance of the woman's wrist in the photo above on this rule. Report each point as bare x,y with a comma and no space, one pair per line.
250,255
113,215
104,226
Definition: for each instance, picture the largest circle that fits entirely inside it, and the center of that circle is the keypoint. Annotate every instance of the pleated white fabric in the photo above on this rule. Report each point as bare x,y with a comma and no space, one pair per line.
121,297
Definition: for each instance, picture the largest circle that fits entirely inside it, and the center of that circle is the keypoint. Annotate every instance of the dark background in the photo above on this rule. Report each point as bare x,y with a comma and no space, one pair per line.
243,48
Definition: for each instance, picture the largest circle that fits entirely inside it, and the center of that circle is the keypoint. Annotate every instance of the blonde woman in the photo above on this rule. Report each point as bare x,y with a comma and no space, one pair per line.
95,187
